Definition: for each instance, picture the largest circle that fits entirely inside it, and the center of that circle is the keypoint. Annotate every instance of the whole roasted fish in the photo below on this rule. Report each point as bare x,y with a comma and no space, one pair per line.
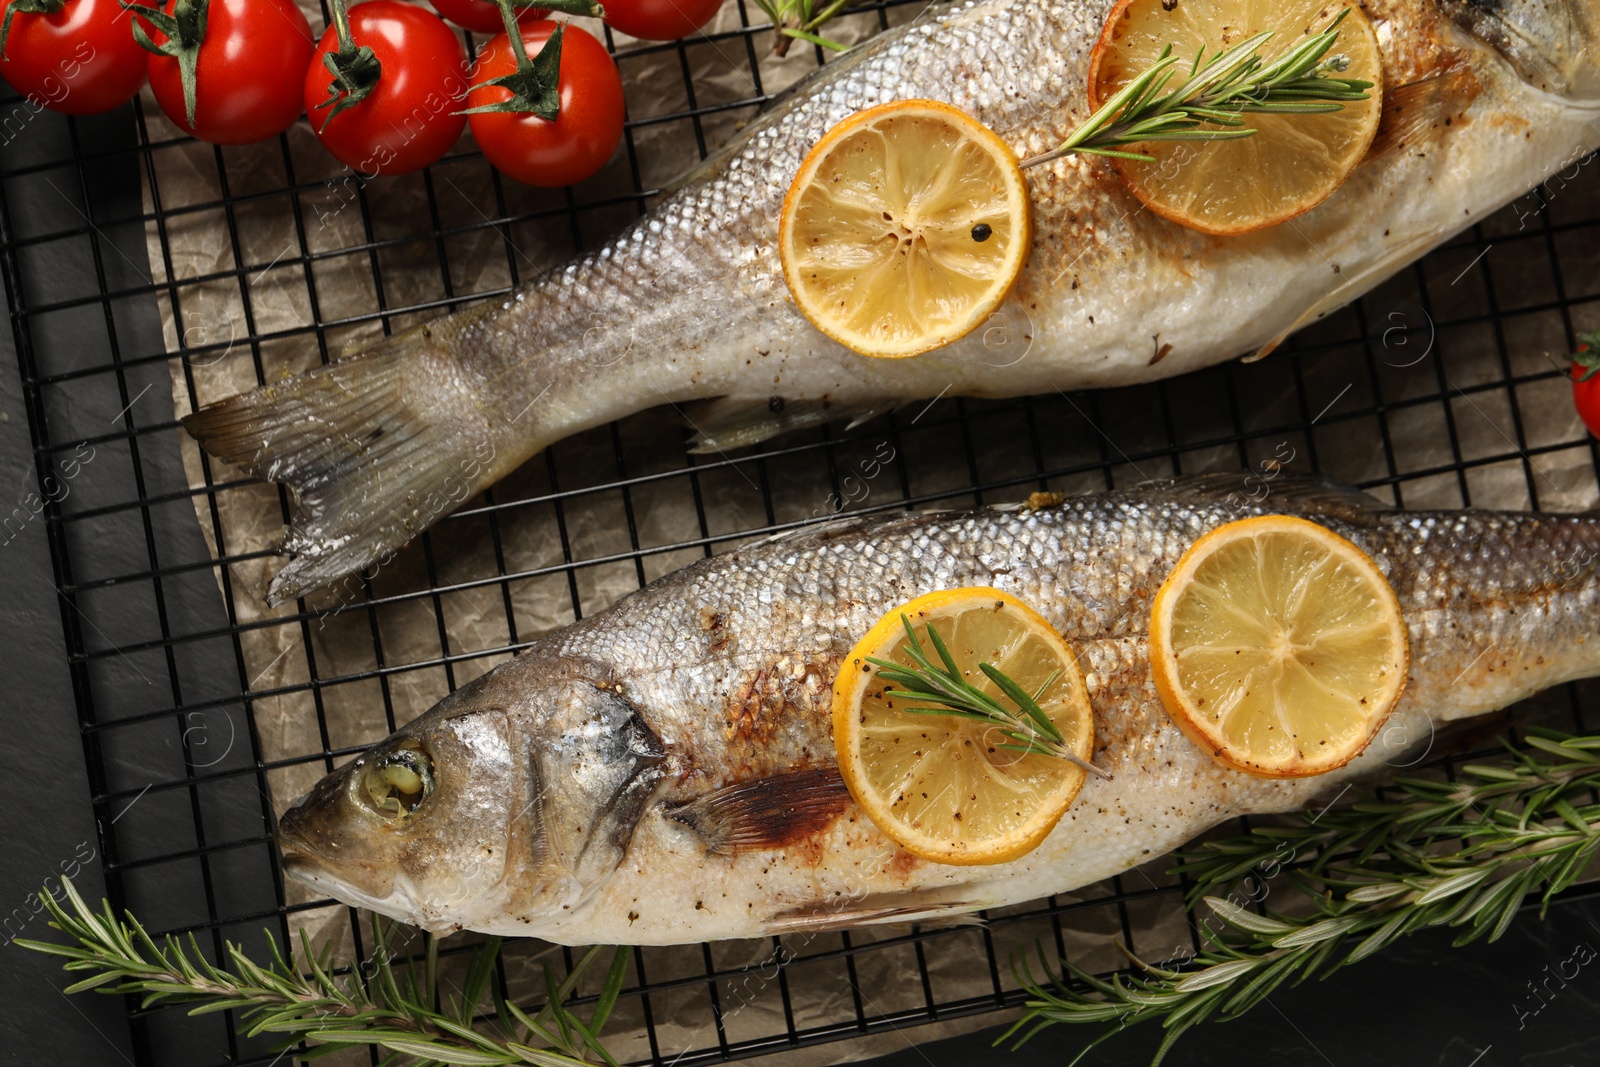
664,771
1483,99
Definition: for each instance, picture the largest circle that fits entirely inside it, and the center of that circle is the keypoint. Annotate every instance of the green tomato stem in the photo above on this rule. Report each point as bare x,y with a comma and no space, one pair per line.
26,7
355,69
341,25
508,15
184,29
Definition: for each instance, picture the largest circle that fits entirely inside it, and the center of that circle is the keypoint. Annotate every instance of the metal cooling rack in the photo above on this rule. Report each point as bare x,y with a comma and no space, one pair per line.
1432,391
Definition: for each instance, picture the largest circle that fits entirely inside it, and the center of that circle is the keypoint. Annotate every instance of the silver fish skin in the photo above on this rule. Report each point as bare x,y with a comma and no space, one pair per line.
664,771
1485,98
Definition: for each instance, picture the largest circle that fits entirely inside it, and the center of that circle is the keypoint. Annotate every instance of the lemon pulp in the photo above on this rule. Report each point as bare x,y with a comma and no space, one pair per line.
1292,164
1279,646
941,787
904,229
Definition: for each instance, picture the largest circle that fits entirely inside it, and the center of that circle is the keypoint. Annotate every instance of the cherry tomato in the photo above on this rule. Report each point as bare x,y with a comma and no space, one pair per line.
589,120
409,119
659,20
1586,394
482,16
248,79
80,60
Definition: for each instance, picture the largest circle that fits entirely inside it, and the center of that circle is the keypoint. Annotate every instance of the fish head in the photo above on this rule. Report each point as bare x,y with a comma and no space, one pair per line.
1553,44
415,827
508,802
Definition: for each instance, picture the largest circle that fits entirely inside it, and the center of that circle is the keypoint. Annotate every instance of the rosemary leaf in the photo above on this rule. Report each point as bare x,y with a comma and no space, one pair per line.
947,693
798,20
310,1003
1209,104
1464,855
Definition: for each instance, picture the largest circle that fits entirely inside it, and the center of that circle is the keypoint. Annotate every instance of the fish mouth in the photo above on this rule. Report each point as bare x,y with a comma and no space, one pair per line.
305,866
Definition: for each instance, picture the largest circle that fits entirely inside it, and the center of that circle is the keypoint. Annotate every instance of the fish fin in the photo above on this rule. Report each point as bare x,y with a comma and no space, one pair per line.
825,530
1353,286
874,909
764,813
366,468
733,422
1419,112
1413,114
857,525
1311,494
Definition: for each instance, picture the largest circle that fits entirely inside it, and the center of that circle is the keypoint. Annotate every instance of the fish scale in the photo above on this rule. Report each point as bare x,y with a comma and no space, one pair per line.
689,303
1089,567
697,711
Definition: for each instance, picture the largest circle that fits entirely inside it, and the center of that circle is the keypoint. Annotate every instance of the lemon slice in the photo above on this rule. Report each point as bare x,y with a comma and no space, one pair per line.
1292,164
1278,646
904,229
942,787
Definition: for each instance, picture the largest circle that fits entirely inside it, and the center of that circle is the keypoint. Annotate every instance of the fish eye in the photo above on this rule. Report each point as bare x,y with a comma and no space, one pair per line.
399,781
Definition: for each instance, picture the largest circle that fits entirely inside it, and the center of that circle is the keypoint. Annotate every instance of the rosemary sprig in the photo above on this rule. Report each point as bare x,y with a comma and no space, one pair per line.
1209,104
799,20
1027,728
393,1009
1463,855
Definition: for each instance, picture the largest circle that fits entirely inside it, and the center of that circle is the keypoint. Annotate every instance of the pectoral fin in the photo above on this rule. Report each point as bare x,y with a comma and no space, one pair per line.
734,422
764,813
1415,116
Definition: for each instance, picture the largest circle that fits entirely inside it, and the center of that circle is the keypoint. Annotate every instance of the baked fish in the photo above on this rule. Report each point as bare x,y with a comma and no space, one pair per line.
664,770
1484,98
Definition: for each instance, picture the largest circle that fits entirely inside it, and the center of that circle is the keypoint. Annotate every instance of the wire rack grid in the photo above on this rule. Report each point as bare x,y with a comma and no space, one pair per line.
1431,391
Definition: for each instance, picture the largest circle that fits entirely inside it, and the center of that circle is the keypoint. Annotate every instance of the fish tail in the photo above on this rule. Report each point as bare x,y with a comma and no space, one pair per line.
374,448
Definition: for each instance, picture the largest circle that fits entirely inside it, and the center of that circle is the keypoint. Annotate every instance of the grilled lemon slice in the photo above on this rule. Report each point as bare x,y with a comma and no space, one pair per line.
1278,646
943,787
904,229
1292,164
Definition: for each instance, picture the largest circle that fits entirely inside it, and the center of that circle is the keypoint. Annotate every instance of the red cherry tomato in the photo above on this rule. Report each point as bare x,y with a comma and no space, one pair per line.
589,120
482,16
659,20
248,79
1587,396
409,119
80,60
